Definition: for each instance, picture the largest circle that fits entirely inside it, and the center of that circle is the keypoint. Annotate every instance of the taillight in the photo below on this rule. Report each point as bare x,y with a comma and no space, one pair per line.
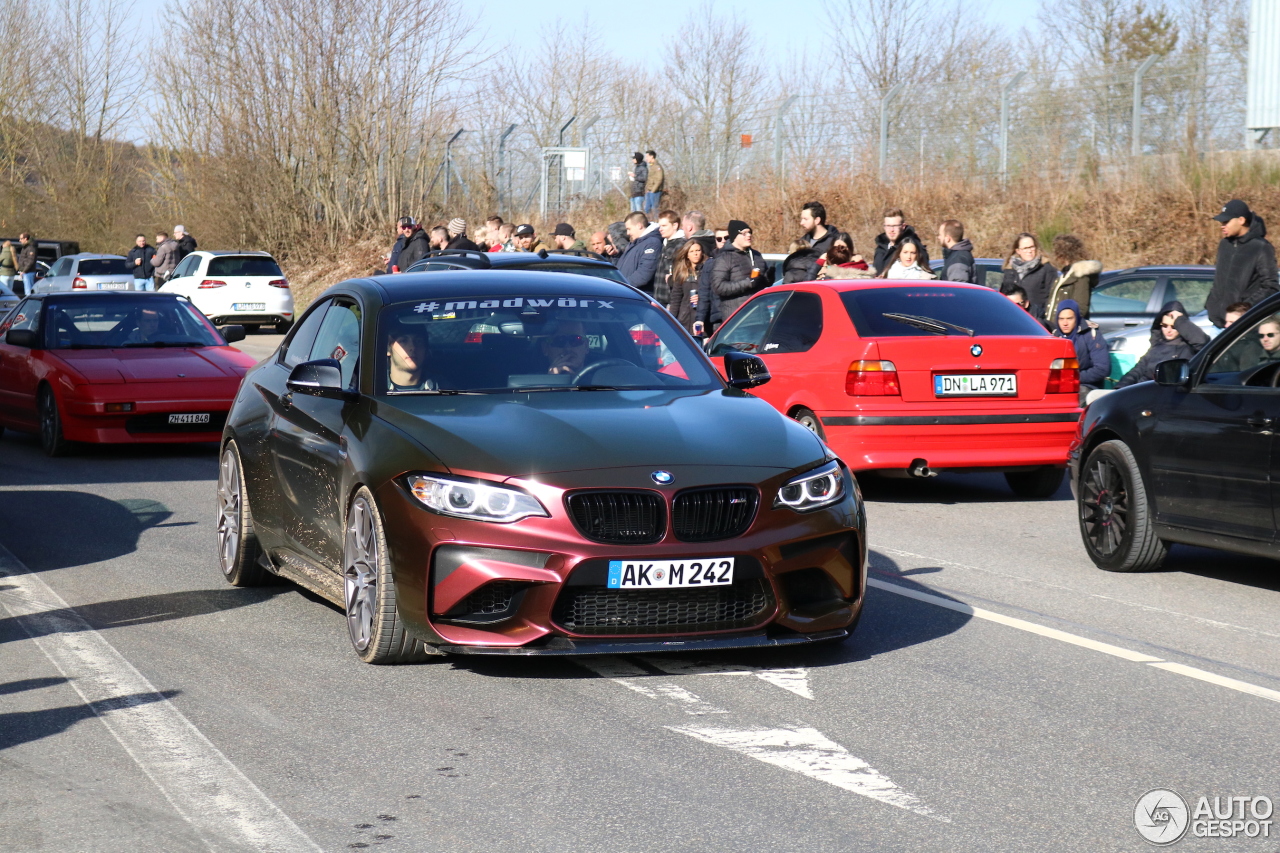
645,337
872,379
79,284
474,338
209,283
1064,376
279,282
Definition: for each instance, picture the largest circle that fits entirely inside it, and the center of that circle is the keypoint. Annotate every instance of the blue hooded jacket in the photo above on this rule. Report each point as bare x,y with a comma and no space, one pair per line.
1091,347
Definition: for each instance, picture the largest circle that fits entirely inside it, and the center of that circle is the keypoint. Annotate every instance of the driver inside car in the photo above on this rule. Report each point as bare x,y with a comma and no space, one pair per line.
566,348
147,328
407,354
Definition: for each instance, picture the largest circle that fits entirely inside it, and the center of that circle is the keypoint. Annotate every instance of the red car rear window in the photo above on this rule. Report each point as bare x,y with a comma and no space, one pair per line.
986,312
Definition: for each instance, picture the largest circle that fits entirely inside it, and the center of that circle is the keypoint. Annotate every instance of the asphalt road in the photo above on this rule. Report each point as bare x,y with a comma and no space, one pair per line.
1000,694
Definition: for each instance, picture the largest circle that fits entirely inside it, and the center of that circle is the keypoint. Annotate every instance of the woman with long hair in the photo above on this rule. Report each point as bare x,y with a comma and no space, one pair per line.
841,262
1079,274
1027,267
685,270
907,264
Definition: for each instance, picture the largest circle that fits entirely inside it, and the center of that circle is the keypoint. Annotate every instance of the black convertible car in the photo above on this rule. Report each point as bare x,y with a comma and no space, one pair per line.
1190,457
502,462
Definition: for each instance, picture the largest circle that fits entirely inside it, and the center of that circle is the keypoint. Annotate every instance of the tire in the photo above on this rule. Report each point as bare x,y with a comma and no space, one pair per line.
52,440
1041,483
238,548
283,327
374,626
809,421
1115,513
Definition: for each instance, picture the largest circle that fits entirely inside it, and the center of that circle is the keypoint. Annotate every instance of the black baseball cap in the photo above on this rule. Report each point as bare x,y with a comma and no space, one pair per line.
1233,209
564,229
524,231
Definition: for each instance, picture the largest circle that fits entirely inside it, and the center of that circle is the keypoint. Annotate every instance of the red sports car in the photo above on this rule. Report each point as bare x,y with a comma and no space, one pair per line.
116,368
916,377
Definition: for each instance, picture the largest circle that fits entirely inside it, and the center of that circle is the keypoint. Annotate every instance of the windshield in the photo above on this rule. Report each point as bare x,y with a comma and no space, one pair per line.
86,322
103,266
932,310
248,265
544,343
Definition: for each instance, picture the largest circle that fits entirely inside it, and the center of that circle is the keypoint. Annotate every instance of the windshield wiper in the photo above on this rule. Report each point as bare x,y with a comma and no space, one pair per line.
433,392
928,324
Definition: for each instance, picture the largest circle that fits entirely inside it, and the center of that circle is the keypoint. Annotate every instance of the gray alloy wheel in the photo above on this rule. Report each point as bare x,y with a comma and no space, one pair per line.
377,633
238,549
1115,514
809,421
51,437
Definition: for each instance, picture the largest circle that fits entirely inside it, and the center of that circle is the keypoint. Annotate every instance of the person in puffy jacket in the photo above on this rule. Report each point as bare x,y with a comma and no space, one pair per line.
1173,335
1027,267
1079,275
638,263
740,271
639,176
1245,268
1091,347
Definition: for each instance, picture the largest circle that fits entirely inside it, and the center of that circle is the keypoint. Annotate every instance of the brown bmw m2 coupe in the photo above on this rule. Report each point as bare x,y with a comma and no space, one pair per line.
519,462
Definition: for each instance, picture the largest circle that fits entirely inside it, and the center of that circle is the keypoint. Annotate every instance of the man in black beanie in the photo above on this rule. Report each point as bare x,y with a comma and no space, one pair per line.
740,271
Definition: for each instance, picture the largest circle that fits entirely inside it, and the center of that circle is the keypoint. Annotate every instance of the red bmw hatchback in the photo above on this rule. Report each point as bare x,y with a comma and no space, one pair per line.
116,368
916,377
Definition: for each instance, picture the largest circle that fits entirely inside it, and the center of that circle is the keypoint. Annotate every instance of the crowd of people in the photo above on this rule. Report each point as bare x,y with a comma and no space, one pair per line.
150,265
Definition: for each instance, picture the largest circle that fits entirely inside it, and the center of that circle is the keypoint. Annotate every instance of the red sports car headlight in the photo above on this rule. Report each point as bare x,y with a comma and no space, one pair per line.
473,499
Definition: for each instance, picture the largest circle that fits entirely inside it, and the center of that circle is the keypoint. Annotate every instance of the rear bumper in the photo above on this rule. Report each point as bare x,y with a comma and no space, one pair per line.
996,441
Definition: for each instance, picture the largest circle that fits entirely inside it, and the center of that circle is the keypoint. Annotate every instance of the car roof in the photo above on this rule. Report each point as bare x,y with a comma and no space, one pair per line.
1162,268
840,285
218,253
91,256
515,260
403,287
934,263
111,294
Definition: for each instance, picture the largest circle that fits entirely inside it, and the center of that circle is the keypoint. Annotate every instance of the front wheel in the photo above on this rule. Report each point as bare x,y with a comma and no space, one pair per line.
52,440
238,548
1040,483
1115,513
809,421
374,625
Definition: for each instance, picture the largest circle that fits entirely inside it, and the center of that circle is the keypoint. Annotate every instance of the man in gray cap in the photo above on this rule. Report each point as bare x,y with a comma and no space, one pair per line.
566,238
1246,266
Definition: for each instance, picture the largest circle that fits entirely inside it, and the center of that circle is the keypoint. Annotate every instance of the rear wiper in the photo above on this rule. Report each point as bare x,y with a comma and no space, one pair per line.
928,324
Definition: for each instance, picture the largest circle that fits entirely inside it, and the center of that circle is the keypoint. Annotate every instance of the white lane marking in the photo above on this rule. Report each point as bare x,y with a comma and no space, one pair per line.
810,753
622,671
1136,605
1073,639
222,805
794,679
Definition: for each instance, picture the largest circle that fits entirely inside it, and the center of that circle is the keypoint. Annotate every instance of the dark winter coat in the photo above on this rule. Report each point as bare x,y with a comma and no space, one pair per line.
667,260
639,261
1245,271
1077,283
186,246
415,249
393,259
1038,284
957,263
1091,347
1191,339
731,278
641,171
680,307
146,253
886,254
708,303
461,241
27,257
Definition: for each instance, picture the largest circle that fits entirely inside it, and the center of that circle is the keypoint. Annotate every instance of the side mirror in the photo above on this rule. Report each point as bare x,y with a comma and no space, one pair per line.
22,338
320,378
231,334
745,370
1175,371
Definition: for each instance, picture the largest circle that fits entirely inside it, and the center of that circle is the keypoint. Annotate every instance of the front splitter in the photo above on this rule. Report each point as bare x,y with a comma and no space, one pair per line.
564,646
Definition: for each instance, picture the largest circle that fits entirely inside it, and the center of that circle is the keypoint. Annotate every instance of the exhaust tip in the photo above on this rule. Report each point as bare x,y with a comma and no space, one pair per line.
920,468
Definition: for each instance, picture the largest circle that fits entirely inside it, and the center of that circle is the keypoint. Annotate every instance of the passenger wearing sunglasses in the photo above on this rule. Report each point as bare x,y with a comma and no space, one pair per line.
1173,335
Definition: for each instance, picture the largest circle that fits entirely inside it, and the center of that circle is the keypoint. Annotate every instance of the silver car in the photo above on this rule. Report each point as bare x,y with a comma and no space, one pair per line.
87,272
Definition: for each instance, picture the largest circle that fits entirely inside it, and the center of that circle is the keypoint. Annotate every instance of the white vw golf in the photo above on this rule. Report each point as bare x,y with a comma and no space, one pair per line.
245,288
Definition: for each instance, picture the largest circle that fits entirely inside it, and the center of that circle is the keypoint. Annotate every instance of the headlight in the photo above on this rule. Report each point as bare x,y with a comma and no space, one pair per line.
473,499
812,490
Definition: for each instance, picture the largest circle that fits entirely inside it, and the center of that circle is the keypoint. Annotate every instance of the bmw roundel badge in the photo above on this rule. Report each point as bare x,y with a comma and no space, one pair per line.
662,478
975,350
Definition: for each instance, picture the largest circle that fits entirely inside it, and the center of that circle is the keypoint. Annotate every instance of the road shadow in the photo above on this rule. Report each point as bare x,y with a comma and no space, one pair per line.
1243,569
19,727
142,610
23,463
889,622
57,529
31,684
947,489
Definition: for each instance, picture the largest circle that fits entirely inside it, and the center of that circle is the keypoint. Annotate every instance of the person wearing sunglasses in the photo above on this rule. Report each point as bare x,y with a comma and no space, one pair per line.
566,348
1173,335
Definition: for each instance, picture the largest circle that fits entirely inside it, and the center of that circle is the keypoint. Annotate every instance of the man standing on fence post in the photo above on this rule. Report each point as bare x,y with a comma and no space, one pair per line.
655,186
1246,265
957,253
639,177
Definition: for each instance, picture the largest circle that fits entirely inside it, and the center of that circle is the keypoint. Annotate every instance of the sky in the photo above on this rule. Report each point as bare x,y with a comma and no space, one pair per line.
631,34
